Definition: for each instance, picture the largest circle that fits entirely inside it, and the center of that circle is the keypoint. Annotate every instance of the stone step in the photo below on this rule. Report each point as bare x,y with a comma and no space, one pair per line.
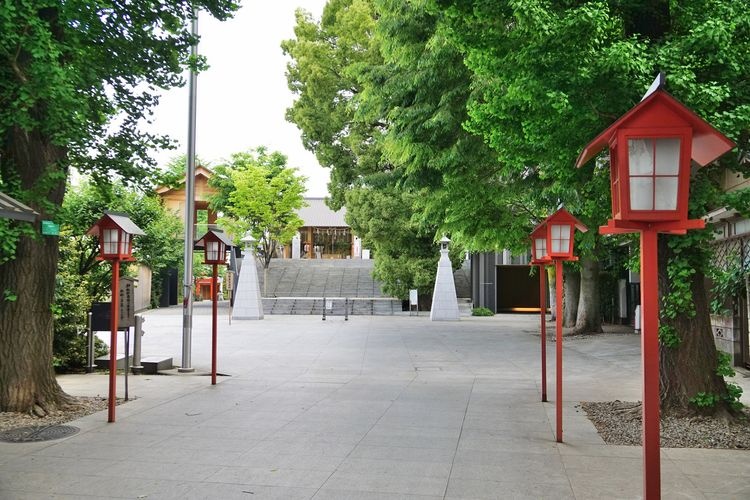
103,362
154,364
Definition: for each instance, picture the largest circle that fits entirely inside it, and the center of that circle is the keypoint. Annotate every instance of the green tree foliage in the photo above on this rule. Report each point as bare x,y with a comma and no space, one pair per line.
172,174
78,79
83,279
345,108
422,88
328,59
405,256
552,75
258,192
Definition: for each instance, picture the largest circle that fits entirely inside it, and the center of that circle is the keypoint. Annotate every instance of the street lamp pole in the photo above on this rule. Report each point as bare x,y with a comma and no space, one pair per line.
187,285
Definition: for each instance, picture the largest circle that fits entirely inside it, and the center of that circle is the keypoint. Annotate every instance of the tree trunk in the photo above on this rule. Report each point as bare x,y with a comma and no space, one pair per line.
571,294
27,378
589,319
690,367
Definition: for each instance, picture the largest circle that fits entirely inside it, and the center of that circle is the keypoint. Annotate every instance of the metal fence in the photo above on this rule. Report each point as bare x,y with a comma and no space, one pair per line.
733,251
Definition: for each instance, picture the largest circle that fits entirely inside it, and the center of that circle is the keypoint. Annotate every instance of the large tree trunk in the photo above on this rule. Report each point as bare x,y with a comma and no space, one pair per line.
27,379
690,367
571,294
589,319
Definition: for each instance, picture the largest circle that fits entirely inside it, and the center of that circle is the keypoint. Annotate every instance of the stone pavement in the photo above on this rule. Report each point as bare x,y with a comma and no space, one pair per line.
371,408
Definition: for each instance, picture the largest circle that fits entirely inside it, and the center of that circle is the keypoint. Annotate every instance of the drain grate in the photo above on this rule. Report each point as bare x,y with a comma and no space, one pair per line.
37,433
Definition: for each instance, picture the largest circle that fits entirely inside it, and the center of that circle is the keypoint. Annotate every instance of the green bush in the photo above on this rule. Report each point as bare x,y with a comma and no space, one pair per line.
70,309
481,311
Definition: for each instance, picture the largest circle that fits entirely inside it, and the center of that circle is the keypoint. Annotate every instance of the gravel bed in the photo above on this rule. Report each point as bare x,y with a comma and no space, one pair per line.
84,406
619,422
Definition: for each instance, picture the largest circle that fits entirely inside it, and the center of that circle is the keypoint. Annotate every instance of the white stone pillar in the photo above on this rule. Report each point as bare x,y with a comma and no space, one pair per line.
248,303
296,246
444,299
357,247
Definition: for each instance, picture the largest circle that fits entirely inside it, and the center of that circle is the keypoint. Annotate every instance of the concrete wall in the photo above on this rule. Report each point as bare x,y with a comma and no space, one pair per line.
727,331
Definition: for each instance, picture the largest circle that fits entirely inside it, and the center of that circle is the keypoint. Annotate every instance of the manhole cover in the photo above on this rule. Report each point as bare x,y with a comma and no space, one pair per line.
37,433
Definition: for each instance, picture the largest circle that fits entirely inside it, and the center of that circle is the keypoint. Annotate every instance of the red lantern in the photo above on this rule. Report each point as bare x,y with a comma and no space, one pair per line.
215,242
115,231
539,254
651,148
561,228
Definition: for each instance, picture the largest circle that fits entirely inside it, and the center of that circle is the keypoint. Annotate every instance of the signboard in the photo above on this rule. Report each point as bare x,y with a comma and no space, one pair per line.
127,302
229,281
49,228
413,297
100,316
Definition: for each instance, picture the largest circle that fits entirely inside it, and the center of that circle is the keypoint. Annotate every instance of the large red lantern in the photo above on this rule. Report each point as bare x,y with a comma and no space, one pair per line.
215,244
651,148
115,232
650,151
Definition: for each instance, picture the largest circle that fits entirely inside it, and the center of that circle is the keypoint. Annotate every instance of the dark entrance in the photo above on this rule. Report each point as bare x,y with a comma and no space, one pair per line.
517,289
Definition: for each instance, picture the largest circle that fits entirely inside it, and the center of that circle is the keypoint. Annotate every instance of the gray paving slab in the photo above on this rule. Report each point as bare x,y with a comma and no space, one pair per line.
373,408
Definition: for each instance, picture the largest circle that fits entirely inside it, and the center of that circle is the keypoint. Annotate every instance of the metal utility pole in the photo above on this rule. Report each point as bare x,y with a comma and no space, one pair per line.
187,301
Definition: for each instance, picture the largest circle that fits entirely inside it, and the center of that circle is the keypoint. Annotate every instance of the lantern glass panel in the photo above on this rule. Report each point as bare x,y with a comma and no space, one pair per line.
561,238
125,243
667,156
665,197
641,193
111,241
654,168
212,251
641,156
540,248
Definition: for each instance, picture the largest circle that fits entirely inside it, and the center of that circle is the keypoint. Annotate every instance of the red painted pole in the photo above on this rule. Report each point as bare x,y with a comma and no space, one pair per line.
543,315
114,315
558,348
650,361
214,310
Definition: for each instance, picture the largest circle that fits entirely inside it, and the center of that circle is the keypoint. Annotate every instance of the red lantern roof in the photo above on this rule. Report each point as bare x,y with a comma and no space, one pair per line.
561,216
214,235
119,219
661,109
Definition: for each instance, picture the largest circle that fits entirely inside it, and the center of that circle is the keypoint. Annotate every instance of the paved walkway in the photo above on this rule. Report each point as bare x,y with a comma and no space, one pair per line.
371,408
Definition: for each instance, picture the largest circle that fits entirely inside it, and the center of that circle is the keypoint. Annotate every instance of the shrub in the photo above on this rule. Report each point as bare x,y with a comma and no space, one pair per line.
481,311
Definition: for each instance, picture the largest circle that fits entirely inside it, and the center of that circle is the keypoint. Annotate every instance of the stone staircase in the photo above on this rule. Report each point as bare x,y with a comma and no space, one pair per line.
299,286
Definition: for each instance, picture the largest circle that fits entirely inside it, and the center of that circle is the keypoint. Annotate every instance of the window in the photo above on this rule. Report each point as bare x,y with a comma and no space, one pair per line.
561,238
654,167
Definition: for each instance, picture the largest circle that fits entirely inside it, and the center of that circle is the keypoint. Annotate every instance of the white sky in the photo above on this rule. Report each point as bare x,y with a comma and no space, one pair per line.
243,96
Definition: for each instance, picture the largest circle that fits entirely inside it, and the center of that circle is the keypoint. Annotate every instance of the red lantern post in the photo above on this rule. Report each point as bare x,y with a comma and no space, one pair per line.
539,257
215,243
114,231
651,148
561,228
